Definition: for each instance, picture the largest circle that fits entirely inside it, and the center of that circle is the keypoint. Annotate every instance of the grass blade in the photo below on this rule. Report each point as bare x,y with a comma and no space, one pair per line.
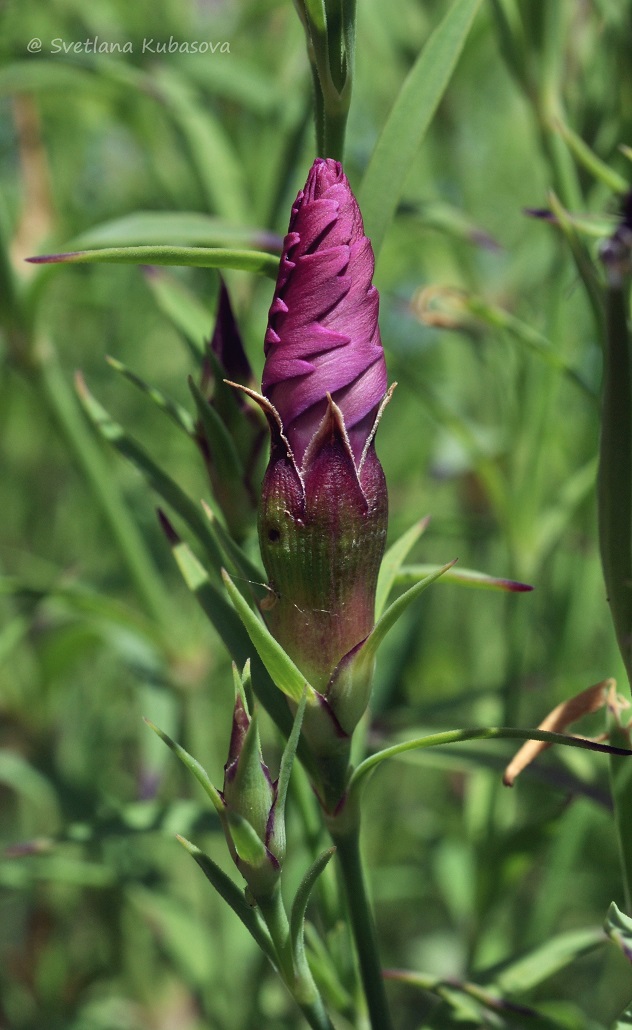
409,119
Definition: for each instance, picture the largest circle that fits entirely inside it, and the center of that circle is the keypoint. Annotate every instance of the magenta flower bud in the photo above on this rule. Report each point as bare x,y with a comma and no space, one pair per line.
323,510
323,336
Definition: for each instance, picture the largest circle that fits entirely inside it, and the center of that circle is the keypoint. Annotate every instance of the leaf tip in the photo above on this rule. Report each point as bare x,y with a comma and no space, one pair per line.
53,259
186,844
167,528
515,587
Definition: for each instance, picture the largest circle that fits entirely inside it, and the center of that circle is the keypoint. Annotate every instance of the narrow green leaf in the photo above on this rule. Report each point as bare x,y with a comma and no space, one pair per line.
282,669
59,399
287,760
213,154
317,14
252,574
599,170
478,733
392,562
393,612
533,968
553,521
583,260
299,905
453,222
409,119
230,892
524,334
472,1005
182,307
211,599
194,767
174,228
483,454
223,450
227,624
197,257
178,415
159,480
409,574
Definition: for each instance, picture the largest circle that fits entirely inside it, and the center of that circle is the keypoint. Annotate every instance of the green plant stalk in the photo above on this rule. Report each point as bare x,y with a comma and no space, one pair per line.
615,533
345,833
615,470
293,967
334,130
330,38
621,788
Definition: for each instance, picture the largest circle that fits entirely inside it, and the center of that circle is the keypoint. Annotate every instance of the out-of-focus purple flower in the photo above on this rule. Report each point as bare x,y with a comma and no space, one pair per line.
323,335
229,433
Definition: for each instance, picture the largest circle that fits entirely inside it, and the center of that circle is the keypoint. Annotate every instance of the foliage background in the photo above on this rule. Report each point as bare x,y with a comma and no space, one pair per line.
111,926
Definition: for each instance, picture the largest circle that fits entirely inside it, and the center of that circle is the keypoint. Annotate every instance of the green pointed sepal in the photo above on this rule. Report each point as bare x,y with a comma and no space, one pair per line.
350,686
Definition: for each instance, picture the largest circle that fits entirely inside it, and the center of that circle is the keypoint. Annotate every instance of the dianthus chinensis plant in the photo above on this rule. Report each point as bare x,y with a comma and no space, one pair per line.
304,645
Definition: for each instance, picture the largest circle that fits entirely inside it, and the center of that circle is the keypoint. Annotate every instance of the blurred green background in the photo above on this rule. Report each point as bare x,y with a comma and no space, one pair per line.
104,922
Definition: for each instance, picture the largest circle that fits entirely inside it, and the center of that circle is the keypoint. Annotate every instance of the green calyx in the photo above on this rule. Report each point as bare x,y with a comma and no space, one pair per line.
322,533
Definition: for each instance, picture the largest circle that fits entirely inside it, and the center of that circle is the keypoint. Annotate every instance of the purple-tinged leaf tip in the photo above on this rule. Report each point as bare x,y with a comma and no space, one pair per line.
514,586
167,528
323,335
52,259
543,213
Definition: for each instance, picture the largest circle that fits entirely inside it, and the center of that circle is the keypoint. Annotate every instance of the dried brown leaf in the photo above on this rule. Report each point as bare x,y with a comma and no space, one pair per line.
557,721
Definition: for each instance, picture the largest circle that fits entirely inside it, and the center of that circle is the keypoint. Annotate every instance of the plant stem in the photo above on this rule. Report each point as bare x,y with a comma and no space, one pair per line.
348,854
294,972
615,511
334,129
621,787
